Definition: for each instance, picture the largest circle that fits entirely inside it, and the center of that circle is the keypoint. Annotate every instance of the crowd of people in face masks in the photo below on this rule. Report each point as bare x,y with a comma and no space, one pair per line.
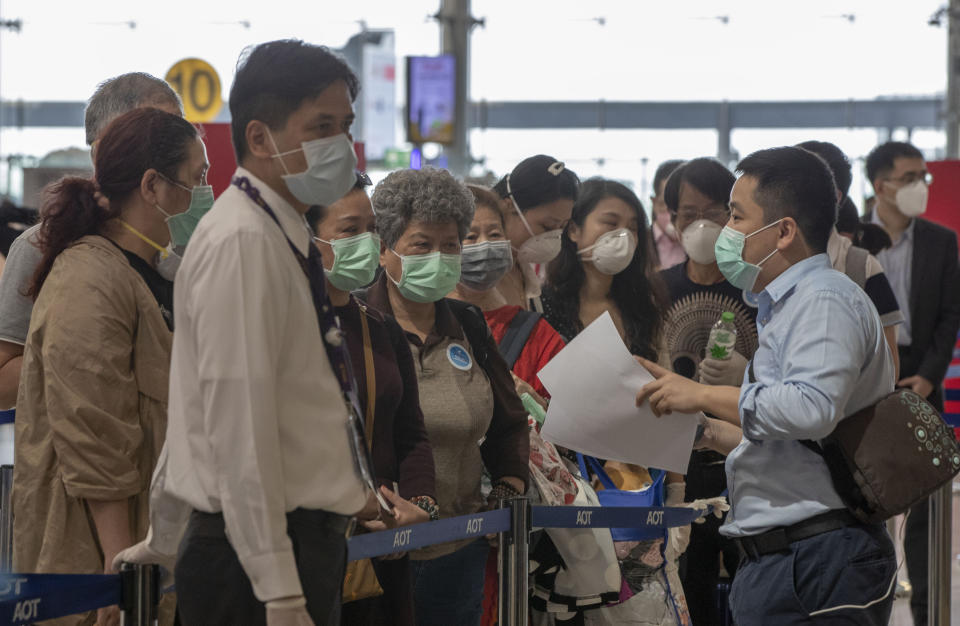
230,388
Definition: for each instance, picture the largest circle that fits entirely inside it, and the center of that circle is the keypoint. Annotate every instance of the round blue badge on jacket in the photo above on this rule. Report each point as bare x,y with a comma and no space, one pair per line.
459,357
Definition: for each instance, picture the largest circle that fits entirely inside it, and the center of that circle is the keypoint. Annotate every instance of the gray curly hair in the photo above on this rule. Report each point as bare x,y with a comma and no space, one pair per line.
429,195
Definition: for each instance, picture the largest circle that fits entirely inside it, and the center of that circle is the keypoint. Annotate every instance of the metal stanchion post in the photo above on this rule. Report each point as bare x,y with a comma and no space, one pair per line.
141,594
6,518
513,562
938,568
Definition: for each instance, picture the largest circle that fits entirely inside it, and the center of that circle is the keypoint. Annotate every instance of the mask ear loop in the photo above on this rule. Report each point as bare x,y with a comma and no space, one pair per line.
387,272
280,155
775,250
516,207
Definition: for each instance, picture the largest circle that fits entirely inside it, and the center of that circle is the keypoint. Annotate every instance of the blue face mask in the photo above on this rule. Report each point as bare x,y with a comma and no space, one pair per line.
729,251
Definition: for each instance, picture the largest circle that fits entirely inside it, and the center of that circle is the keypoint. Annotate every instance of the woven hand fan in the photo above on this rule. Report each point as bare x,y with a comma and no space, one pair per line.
688,326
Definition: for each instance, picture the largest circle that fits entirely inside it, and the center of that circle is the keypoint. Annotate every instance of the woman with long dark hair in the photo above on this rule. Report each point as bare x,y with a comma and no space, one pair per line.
604,267
92,409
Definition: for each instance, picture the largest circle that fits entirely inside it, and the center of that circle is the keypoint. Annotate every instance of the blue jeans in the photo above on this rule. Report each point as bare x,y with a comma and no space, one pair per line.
848,566
448,590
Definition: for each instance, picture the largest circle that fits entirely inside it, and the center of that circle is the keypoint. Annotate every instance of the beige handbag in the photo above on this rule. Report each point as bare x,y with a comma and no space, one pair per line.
360,581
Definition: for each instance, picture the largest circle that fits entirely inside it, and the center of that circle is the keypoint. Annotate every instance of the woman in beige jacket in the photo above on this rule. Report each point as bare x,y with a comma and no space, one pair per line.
92,406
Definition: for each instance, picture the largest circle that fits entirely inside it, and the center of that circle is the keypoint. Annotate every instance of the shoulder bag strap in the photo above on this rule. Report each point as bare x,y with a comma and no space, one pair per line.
516,336
371,378
856,267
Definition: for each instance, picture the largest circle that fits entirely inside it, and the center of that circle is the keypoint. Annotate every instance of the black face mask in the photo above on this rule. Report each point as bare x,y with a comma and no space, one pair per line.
13,221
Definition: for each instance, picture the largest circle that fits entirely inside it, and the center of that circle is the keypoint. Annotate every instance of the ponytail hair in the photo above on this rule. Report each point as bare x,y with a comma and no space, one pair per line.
135,142
69,211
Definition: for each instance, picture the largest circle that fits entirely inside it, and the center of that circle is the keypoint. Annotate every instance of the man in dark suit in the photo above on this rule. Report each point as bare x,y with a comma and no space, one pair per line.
922,268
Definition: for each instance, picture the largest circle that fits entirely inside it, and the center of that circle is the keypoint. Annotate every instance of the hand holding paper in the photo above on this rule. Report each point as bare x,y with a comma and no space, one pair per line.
674,393
669,392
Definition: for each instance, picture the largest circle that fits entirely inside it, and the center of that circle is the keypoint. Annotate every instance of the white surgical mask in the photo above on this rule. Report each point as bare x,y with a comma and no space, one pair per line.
169,263
612,251
541,248
912,199
698,241
330,170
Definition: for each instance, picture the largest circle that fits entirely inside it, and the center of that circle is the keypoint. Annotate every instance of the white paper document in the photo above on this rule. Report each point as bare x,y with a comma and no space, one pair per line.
593,384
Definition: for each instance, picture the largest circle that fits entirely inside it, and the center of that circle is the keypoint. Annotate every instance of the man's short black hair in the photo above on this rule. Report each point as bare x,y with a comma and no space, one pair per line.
880,160
836,160
706,175
795,183
663,172
273,80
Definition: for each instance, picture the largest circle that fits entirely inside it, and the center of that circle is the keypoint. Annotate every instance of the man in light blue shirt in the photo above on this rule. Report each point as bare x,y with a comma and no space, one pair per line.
822,357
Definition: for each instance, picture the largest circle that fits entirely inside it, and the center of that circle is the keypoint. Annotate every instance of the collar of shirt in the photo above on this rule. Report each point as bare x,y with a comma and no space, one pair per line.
783,285
292,222
445,323
907,234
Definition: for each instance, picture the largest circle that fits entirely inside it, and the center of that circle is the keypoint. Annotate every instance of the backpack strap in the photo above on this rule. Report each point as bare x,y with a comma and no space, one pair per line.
856,268
474,327
518,332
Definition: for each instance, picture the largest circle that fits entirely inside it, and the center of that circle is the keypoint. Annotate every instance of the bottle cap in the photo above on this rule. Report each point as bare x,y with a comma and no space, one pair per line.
727,316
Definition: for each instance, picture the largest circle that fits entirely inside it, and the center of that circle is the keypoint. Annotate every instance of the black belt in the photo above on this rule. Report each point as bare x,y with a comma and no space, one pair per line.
779,539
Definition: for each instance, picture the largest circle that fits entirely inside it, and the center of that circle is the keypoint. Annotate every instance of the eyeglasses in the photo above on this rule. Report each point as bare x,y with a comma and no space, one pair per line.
912,177
174,181
714,213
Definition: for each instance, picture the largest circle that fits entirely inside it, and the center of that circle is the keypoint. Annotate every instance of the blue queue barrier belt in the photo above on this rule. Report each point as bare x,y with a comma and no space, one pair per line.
27,598
427,534
612,516
6,417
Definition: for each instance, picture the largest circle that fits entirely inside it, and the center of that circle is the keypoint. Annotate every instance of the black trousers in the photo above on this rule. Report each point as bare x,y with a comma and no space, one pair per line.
700,564
916,536
213,589
916,540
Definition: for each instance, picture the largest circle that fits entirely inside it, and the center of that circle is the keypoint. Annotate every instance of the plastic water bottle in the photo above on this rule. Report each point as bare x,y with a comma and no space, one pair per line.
723,338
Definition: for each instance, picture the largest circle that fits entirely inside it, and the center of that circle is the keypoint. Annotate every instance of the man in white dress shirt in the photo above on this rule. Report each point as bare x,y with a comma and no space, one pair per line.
258,453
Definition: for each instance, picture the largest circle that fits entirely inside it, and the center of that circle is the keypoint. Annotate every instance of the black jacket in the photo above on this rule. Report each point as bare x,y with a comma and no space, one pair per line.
934,303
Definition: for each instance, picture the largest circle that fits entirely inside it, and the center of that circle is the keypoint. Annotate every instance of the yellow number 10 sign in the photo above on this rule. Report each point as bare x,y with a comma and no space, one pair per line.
199,87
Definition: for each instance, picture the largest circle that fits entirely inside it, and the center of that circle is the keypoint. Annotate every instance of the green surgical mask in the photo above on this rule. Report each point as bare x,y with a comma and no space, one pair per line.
355,261
427,277
182,225
729,253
